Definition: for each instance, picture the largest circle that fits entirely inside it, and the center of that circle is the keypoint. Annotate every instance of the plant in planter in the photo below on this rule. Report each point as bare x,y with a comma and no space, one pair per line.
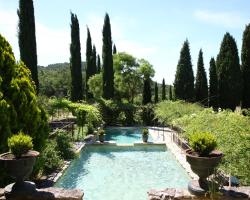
145,135
18,163
203,159
101,135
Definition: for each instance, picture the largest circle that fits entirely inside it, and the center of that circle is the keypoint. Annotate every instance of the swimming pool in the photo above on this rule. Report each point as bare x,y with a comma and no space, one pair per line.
110,172
124,135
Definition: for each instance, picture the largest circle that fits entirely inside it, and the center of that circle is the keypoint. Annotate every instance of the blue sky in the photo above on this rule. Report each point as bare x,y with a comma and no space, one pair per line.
150,29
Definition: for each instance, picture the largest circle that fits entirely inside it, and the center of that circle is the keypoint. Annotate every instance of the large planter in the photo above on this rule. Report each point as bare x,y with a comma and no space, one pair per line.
203,167
101,137
19,168
145,137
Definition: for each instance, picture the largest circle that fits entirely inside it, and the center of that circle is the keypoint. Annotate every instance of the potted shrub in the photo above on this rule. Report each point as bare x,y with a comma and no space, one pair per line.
19,162
203,159
101,135
145,135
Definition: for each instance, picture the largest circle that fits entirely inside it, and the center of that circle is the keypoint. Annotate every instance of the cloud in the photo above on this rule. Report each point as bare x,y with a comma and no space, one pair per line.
226,19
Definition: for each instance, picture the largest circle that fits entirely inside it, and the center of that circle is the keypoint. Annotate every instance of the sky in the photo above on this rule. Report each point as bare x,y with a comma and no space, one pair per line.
151,29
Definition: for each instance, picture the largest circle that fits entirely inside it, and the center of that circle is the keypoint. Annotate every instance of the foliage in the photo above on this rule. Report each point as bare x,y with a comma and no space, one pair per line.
27,37
156,93
229,74
108,71
114,49
98,67
64,145
232,132
213,85
163,93
201,88
167,111
245,58
95,85
20,144
147,114
170,97
184,77
101,132
145,131
146,92
19,109
75,61
202,143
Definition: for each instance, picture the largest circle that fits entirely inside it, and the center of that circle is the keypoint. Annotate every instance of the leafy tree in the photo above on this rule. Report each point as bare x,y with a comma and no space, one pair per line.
95,85
184,77
170,93
213,85
229,74
163,93
98,68
89,61
201,88
114,49
75,61
156,92
19,109
108,71
127,77
27,37
245,58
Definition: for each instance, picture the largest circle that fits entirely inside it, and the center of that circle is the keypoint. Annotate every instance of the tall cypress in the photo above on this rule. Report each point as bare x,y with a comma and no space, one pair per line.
163,93
27,38
213,85
93,58
75,61
146,97
229,74
170,93
108,71
89,62
184,77
114,49
98,68
156,92
201,88
245,58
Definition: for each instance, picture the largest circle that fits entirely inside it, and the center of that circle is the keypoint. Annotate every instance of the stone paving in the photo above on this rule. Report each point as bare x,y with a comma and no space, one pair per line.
159,136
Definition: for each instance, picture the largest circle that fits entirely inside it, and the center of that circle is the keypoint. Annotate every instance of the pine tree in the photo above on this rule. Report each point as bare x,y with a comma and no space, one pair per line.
213,85
184,77
89,62
201,88
146,97
108,71
245,58
156,92
98,64
229,74
75,61
170,93
163,93
27,38
114,49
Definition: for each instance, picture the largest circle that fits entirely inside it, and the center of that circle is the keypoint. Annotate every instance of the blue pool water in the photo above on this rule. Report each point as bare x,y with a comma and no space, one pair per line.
124,135
109,172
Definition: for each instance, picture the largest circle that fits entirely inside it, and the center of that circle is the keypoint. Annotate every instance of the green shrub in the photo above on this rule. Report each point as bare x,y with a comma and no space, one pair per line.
50,159
145,131
20,144
64,145
147,114
202,143
101,132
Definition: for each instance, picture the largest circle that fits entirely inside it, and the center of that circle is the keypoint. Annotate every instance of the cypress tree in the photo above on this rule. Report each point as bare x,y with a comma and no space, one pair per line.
201,88
163,93
146,91
114,49
213,85
75,61
98,64
156,92
245,58
27,38
184,77
89,62
108,71
229,74
170,93
94,66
